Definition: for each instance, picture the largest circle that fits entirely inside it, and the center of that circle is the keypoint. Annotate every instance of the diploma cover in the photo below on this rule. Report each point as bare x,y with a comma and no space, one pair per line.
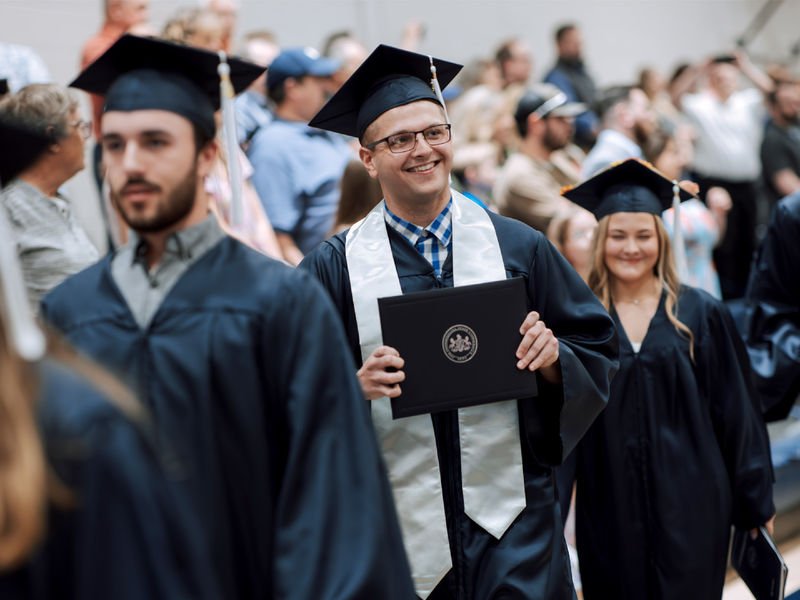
459,345
759,563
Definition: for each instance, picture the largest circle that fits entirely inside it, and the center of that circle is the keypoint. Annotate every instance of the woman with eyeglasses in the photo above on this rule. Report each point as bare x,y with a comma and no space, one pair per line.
51,244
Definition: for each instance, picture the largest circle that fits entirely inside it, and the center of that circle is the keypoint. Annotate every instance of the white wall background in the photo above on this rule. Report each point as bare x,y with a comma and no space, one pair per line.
620,36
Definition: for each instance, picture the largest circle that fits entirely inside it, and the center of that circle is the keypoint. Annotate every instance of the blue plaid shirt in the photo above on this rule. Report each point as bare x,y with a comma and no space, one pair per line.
433,242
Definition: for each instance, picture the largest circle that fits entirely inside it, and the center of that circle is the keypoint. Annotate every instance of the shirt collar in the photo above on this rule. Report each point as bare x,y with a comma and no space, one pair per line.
440,227
184,244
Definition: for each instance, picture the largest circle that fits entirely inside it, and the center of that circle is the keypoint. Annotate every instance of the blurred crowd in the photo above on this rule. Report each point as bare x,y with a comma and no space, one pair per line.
727,125
721,127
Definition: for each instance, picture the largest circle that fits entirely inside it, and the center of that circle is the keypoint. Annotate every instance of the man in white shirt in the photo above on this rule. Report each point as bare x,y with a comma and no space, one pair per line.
729,123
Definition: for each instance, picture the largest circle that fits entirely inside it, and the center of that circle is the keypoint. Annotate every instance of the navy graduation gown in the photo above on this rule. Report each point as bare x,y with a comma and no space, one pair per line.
244,372
126,537
530,560
773,298
679,455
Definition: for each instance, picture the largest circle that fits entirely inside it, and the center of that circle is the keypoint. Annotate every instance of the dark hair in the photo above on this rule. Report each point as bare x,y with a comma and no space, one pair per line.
277,92
564,30
610,97
359,195
332,39
679,70
201,137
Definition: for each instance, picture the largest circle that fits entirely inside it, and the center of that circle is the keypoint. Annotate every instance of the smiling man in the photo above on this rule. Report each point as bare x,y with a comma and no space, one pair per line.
237,356
474,487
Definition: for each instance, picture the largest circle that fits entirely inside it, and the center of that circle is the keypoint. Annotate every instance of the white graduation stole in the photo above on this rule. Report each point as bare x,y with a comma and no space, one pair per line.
491,458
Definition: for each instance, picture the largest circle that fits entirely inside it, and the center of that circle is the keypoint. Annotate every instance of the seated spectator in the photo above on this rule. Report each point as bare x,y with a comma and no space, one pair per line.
780,148
475,171
572,231
570,76
514,58
701,227
528,187
50,242
481,97
654,85
625,118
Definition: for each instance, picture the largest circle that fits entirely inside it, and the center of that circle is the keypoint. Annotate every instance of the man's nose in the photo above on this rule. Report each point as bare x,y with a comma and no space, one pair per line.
421,145
131,158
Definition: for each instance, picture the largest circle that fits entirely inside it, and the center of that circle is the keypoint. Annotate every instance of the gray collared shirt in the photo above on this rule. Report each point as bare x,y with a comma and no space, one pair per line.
50,242
145,289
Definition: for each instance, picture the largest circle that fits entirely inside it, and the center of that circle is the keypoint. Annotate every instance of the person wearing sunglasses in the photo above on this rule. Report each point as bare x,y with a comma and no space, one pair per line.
51,244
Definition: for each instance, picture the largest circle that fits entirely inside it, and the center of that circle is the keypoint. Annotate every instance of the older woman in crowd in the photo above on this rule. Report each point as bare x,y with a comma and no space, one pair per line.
50,242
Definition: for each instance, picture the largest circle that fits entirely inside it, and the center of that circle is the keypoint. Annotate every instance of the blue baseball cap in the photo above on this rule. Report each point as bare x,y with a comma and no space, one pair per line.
298,62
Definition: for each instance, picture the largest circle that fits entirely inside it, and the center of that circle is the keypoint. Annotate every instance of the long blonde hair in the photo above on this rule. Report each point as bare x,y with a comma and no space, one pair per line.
23,470
665,271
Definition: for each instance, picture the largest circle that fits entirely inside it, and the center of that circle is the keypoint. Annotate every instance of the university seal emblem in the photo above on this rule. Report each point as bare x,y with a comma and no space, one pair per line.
459,343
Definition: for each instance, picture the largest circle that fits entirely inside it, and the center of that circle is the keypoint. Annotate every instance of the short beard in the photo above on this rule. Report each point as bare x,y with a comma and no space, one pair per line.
551,142
171,210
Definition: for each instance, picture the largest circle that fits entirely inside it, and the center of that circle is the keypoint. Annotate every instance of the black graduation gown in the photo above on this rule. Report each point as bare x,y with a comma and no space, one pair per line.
244,370
773,299
530,560
680,454
126,537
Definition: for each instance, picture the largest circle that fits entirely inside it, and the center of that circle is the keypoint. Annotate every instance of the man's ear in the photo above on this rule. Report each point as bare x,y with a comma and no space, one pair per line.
206,158
368,158
533,121
55,146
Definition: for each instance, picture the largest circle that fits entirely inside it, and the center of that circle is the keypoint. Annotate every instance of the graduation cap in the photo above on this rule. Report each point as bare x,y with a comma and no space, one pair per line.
21,146
629,186
634,186
388,78
138,73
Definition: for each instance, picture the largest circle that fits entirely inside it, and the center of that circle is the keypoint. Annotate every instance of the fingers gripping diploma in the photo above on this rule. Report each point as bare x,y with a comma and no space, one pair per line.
538,349
380,374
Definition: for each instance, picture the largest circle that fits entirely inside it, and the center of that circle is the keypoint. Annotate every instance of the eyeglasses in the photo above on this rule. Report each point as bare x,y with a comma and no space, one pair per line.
406,141
84,128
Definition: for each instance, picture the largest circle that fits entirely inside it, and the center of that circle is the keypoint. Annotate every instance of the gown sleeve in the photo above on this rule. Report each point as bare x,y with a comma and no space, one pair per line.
773,298
337,534
737,420
588,353
127,536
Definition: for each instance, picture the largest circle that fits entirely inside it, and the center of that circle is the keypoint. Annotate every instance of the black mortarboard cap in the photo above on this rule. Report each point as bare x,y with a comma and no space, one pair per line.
139,73
20,147
629,186
388,78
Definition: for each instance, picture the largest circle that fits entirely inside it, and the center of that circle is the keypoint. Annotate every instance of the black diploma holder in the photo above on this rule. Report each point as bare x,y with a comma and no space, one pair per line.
459,346
759,563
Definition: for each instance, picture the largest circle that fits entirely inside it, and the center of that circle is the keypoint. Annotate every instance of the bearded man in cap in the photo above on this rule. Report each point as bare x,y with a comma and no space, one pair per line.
236,355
